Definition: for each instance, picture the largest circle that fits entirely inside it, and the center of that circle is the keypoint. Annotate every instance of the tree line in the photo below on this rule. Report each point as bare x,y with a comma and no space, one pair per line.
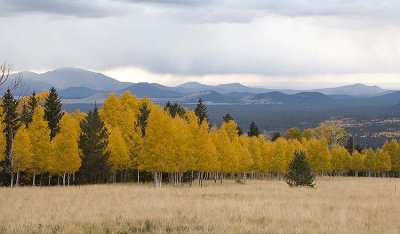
131,139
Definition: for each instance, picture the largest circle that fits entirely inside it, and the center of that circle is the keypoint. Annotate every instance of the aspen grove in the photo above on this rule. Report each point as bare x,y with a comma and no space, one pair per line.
131,139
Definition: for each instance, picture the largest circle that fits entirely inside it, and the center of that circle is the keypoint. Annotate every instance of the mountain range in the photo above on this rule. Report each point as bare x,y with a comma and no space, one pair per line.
81,86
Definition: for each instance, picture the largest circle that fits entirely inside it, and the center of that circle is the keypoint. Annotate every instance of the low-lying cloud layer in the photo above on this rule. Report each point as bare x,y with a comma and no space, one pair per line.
287,38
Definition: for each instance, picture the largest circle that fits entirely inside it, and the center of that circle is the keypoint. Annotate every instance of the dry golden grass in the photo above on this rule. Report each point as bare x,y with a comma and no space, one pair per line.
337,205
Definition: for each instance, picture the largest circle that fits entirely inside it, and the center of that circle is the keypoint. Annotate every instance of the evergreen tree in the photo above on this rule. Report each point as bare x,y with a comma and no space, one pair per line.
358,148
201,111
33,102
175,109
349,144
142,117
275,136
253,130
227,117
93,143
11,124
299,172
25,115
53,112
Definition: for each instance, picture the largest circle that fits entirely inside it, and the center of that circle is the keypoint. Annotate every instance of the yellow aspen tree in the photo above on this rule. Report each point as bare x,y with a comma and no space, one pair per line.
204,151
340,159
39,135
307,134
127,121
357,162
383,163
226,157
119,153
183,152
278,156
245,158
267,154
66,159
255,151
111,111
369,162
78,116
22,152
156,151
393,149
318,154
231,129
129,102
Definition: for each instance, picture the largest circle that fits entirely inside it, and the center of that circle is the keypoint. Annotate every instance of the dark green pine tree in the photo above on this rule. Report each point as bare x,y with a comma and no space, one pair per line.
53,112
350,144
253,130
93,143
25,115
201,111
29,109
276,136
142,117
299,172
11,124
175,109
33,102
227,117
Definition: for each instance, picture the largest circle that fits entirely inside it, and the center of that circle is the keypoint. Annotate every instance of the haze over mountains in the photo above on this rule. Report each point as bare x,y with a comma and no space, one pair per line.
80,86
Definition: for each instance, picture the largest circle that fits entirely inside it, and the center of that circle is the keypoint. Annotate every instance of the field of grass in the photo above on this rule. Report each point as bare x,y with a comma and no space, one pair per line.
337,205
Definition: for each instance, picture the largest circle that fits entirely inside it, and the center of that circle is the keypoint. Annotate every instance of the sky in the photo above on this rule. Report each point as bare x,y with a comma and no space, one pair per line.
268,43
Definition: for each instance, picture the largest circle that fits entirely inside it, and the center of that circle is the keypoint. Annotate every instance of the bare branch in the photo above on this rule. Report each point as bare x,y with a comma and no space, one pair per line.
5,71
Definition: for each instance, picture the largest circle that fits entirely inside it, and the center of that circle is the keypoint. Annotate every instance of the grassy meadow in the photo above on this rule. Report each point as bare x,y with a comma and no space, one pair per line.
336,205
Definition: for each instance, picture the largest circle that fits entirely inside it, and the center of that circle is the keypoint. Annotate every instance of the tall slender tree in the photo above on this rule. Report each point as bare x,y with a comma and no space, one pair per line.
350,144
65,149
201,111
142,117
11,124
39,135
22,153
93,143
53,112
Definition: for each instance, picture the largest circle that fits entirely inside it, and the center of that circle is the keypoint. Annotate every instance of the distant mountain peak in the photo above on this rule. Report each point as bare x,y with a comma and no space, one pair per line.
357,89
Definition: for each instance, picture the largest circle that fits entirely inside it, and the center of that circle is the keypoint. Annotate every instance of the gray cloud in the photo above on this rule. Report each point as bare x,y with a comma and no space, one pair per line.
78,8
295,8
368,8
207,37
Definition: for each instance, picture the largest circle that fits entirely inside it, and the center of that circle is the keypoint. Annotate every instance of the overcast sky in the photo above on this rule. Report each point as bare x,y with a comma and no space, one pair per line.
271,43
